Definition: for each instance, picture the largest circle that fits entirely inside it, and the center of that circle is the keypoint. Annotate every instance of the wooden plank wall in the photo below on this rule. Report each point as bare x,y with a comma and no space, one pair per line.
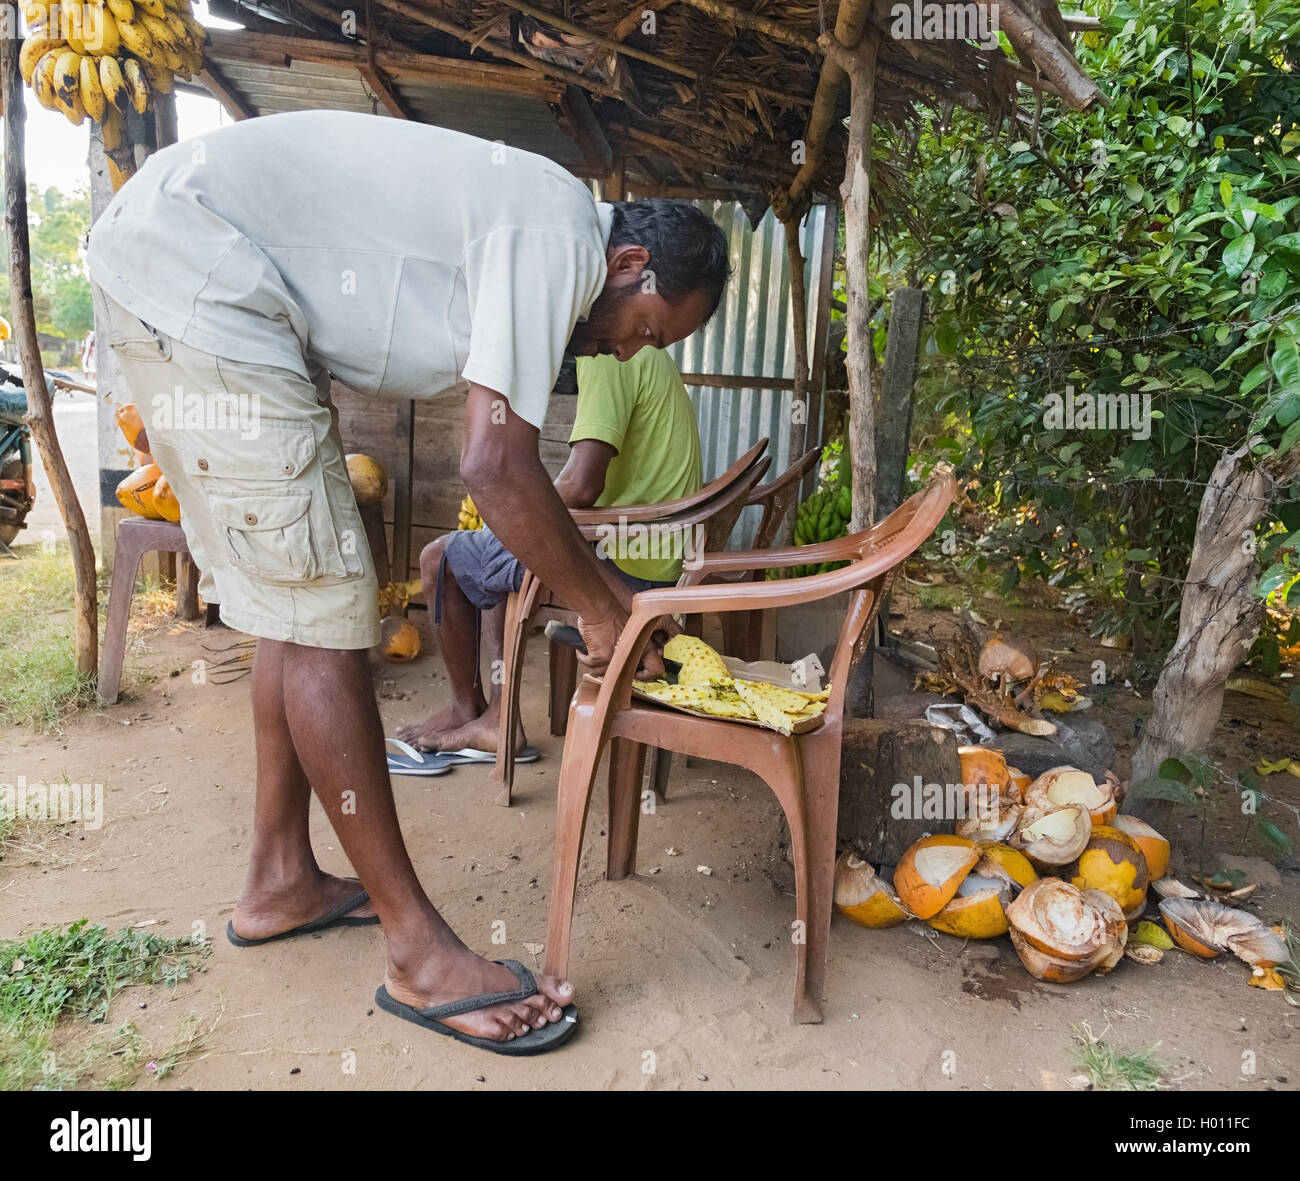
370,425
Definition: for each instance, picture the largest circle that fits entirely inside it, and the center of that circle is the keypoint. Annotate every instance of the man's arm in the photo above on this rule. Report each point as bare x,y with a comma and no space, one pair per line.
583,478
514,494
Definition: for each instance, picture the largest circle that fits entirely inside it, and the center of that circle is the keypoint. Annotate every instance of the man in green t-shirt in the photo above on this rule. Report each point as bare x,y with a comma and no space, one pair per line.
634,441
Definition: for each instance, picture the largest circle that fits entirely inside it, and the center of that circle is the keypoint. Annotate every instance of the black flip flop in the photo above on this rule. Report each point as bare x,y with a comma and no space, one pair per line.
336,916
535,1041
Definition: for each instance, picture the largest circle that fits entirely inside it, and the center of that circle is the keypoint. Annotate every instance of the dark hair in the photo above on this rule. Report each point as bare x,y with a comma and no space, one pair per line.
688,250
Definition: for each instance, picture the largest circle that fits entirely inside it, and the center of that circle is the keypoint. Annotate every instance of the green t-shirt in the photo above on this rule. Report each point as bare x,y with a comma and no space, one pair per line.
640,408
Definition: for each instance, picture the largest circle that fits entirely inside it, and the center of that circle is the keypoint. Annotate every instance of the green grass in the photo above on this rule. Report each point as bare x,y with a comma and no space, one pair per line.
39,682
1111,1069
75,973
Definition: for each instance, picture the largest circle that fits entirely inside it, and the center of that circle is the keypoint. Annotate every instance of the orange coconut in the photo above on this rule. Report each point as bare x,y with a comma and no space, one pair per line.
930,872
862,897
1155,848
1113,863
399,640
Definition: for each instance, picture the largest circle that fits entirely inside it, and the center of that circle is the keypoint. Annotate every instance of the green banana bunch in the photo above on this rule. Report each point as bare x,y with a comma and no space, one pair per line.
825,515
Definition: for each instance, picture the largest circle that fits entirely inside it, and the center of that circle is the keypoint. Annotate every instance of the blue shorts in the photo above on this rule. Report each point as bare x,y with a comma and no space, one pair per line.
488,572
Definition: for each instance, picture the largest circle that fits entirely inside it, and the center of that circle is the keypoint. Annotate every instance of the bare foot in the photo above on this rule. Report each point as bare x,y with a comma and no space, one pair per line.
425,735
456,973
263,914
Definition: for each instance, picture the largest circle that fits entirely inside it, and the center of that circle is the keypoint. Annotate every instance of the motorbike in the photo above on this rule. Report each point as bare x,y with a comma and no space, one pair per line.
17,488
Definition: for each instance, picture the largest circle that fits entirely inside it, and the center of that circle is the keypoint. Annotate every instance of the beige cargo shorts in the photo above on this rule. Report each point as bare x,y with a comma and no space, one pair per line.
254,456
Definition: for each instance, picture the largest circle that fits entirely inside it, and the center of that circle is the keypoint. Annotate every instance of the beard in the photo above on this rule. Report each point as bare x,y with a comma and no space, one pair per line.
594,335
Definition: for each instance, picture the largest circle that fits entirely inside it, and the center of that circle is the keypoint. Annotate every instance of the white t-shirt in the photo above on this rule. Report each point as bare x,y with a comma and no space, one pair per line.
398,256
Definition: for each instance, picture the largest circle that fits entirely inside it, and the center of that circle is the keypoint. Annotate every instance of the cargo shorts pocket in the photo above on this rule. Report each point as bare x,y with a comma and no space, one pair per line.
268,533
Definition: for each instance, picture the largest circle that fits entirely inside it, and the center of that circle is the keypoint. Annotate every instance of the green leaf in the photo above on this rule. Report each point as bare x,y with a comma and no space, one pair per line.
1160,788
1274,836
1286,361
1237,254
1225,191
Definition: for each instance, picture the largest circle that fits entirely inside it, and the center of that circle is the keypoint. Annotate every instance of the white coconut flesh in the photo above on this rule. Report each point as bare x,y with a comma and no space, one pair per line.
994,823
976,886
1056,836
939,864
1062,786
989,870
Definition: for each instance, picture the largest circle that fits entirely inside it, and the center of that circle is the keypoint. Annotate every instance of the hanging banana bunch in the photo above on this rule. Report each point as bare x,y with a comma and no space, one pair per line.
104,58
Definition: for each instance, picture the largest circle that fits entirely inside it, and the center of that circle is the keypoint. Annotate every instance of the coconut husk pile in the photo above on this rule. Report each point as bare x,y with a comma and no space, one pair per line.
1051,864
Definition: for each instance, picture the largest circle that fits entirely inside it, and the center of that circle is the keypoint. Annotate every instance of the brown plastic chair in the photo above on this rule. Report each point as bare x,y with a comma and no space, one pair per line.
803,771
742,631
135,537
720,500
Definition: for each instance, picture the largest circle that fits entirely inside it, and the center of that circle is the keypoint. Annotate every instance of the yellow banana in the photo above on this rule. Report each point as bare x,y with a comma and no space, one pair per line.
75,43
118,176
137,85
180,34
136,40
100,33
165,42
115,89
113,129
122,10
198,34
35,48
160,79
90,89
36,13
154,8
67,82
43,81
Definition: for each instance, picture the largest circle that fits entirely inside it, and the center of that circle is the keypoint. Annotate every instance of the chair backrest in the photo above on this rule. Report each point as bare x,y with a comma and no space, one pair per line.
731,504
778,496
880,551
652,512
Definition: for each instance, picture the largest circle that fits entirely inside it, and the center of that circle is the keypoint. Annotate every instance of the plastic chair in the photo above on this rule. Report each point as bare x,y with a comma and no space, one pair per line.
803,771
135,537
742,632
716,505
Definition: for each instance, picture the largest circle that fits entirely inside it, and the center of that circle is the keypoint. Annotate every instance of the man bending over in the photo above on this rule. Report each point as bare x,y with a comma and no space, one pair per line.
634,441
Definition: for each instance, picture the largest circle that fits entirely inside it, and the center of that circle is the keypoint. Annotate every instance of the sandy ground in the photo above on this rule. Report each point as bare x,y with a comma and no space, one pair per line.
684,980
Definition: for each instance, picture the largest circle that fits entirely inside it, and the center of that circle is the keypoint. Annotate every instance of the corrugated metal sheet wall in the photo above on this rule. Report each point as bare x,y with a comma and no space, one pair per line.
752,333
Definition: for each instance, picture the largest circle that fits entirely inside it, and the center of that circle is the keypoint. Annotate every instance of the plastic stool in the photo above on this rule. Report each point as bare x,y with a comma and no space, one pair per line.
135,538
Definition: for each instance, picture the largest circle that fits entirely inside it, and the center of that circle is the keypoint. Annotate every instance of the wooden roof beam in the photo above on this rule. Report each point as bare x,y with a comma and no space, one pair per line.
1036,46
758,24
383,90
587,132
220,89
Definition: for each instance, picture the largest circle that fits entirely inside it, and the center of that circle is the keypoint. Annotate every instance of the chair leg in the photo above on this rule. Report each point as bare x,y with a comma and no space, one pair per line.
515,641
661,762
816,876
187,587
564,679
626,763
577,774
126,560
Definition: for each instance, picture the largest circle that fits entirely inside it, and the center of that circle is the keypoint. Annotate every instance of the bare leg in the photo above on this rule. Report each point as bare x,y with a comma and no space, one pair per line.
456,634
284,887
326,702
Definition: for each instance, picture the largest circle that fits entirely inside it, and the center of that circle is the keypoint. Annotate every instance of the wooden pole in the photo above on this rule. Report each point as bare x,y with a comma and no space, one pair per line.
799,315
860,65
40,412
902,347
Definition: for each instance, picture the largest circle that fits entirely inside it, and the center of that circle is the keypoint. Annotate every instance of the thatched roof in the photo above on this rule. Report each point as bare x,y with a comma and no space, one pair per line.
685,96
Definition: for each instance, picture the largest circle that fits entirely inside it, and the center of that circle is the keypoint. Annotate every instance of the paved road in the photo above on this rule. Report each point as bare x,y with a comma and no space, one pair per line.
74,421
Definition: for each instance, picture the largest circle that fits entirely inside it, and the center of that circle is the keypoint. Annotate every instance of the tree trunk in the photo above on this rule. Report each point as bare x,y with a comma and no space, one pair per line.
1219,619
40,413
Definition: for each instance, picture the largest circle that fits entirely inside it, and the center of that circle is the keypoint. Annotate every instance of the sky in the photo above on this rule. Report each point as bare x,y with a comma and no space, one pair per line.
57,151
